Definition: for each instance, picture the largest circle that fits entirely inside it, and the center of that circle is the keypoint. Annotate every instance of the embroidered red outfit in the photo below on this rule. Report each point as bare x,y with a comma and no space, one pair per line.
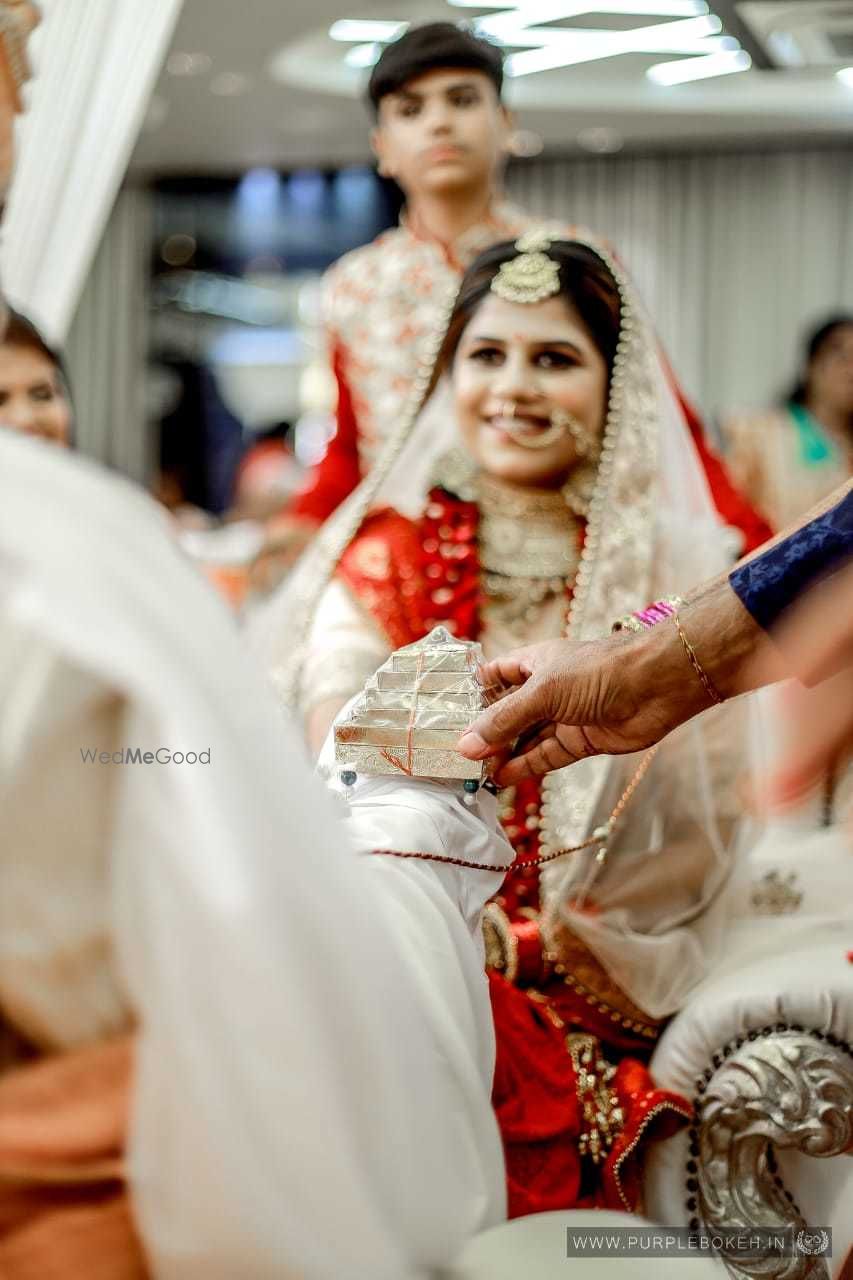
411,576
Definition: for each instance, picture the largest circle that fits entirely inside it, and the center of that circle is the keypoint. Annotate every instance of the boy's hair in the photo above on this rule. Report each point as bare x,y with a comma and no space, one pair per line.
429,48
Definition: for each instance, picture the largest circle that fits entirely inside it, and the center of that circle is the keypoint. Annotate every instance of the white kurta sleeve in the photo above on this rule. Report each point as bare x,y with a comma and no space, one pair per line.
345,647
315,1071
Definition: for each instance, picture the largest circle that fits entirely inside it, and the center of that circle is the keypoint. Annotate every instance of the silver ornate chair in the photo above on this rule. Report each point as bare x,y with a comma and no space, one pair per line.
764,1048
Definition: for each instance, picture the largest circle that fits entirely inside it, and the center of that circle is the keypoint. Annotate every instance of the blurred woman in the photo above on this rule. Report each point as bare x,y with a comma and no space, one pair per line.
789,458
34,396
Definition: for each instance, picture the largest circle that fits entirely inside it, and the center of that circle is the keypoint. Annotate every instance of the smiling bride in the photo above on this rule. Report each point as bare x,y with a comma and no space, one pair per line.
545,483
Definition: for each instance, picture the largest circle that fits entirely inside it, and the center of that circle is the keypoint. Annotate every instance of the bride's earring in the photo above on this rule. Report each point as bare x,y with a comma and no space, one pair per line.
579,488
584,441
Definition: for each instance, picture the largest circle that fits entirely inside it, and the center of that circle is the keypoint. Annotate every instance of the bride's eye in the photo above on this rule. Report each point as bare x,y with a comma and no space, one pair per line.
555,360
487,355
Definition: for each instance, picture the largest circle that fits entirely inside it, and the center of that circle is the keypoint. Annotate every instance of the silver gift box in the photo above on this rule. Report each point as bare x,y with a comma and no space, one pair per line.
413,711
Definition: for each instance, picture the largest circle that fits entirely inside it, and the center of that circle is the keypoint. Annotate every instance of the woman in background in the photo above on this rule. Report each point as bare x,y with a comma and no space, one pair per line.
788,458
34,396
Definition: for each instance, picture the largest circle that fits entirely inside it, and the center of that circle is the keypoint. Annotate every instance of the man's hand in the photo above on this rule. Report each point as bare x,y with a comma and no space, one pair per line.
567,700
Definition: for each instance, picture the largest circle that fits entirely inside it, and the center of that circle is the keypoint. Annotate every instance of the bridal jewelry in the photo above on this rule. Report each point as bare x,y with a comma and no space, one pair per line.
529,551
579,488
561,422
582,436
542,439
533,275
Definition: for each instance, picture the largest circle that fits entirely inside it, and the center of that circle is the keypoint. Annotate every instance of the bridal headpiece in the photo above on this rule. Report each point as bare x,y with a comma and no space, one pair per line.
534,275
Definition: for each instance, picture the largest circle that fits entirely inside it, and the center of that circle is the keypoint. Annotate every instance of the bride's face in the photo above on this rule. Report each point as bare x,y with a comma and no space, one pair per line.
517,366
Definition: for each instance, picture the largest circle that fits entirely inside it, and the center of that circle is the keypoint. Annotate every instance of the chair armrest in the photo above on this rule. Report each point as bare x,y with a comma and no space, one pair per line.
764,1051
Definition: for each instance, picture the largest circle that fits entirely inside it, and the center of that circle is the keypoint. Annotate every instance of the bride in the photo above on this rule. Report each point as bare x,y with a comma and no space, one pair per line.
546,481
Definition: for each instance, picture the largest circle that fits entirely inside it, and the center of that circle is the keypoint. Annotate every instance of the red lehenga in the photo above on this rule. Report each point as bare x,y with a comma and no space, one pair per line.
572,1120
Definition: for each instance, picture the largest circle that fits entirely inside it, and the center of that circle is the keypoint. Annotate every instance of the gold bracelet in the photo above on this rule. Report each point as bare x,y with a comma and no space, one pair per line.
696,664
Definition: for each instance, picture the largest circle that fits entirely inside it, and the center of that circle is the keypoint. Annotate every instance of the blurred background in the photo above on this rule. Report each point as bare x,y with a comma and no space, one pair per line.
711,142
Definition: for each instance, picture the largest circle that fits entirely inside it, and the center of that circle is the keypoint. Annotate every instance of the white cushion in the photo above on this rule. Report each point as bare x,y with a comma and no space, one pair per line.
535,1248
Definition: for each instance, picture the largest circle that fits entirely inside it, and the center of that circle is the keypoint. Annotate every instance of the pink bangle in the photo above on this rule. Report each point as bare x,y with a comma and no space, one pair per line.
644,619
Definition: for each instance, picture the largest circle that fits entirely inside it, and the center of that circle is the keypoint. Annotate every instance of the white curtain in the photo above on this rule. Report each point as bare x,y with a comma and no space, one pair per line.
735,254
96,62
107,344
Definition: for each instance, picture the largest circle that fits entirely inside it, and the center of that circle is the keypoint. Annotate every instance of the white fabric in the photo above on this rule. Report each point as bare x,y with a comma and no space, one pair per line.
345,648
312,1092
535,1247
420,815
736,254
95,62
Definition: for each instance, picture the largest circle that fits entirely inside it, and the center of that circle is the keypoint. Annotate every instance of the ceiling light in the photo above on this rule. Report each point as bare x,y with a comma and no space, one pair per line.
230,84
555,48
517,25
845,75
685,69
354,31
653,36
363,55
524,143
189,64
601,140
557,10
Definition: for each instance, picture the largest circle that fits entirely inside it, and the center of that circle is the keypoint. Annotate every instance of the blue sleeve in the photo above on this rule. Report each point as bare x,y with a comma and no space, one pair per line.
771,582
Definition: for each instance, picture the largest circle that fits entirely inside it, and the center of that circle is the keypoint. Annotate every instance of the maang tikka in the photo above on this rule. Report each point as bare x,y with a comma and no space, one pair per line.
533,276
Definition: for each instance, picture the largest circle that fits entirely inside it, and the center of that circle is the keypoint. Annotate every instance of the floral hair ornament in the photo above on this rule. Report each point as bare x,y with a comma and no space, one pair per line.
533,275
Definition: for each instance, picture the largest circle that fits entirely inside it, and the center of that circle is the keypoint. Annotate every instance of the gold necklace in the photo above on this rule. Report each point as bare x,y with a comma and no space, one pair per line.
528,540
526,534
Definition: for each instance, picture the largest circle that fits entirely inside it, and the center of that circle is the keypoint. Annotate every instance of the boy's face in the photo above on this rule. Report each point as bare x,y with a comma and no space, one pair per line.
444,131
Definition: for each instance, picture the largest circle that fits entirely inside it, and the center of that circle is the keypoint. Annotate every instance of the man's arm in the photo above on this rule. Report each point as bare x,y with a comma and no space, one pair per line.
625,692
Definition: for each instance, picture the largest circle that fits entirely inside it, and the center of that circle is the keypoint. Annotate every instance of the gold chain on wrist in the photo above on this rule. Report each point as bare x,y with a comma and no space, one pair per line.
707,682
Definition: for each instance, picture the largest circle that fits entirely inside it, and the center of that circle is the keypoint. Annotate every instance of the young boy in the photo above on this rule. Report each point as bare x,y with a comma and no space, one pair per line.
442,132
